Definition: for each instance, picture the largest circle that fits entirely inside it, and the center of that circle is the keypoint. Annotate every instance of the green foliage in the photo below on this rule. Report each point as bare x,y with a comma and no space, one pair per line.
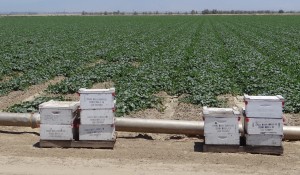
32,106
201,56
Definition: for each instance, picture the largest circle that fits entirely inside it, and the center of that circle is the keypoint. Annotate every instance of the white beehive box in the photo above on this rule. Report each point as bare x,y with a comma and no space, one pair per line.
264,106
58,112
263,126
263,140
97,116
56,132
214,125
97,98
221,126
222,139
96,132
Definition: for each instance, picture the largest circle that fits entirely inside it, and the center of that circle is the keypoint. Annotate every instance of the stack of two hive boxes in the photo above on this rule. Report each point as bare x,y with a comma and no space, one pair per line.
221,126
97,113
264,120
57,118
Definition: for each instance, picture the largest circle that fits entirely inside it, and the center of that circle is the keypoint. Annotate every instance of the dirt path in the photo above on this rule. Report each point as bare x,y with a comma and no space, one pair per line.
27,95
19,154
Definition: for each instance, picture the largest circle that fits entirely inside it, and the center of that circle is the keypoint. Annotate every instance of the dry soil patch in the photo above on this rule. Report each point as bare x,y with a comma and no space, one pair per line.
19,154
26,95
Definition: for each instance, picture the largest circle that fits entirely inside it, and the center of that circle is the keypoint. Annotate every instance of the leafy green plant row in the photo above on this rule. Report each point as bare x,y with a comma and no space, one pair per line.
199,56
32,106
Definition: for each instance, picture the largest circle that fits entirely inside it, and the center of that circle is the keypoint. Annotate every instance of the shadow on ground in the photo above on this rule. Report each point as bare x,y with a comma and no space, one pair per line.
17,132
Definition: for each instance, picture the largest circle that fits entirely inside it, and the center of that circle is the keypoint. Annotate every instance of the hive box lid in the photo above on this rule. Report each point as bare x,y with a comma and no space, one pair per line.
264,106
263,98
96,91
220,112
73,105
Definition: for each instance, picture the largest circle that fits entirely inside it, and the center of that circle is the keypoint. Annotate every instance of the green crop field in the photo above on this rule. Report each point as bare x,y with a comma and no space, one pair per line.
199,56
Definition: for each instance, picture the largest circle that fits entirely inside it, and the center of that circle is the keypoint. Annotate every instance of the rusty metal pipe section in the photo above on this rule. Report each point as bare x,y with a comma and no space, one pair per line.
20,119
140,125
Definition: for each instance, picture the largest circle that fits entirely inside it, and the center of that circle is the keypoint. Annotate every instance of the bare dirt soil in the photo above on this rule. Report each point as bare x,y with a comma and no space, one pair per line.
142,153
27,95
20,154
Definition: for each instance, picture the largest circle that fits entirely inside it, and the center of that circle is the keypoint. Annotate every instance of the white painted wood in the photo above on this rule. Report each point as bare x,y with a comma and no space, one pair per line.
220,112
264,106
56,132
96,132
96,91
97,116
263,140
214,125
263,98
97,98
58,112
222,139
263,126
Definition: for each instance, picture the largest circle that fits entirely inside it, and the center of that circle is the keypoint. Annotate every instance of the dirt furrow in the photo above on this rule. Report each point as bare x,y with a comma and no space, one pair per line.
27,95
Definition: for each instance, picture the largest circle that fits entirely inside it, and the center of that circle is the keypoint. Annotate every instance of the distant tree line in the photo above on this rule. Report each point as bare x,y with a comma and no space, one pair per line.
215,11
192,12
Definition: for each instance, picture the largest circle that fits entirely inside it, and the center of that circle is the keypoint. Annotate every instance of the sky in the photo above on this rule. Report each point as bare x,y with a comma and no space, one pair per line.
144,5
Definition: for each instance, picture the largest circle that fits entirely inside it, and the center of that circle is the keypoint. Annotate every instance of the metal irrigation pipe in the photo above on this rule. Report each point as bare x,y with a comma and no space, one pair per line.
140,125
20,119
